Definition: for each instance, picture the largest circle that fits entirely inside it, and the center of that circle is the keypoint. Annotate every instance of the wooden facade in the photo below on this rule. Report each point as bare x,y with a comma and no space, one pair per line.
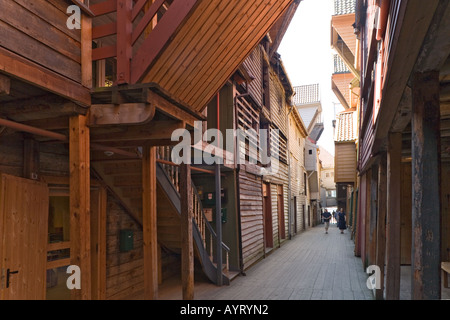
404,117
86,118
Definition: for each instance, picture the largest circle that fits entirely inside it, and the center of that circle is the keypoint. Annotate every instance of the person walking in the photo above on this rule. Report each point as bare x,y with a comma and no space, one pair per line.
342,225
326,219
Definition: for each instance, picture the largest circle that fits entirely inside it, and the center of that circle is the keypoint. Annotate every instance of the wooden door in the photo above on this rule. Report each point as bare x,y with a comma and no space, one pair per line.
267,210
295,215
23,231
281,218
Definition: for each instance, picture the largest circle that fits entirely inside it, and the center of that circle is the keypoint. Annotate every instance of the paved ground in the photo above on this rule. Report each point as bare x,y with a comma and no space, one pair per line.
312,266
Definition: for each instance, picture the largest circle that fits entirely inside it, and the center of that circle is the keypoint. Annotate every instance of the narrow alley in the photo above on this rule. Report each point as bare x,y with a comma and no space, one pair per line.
312,266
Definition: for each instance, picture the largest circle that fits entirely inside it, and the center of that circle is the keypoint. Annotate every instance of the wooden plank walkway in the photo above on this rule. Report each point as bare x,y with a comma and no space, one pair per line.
311,266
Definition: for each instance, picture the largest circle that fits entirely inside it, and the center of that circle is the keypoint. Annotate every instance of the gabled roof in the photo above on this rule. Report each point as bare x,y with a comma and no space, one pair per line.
346,126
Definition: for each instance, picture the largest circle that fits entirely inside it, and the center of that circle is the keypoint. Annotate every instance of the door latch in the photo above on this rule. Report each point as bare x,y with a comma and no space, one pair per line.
8,275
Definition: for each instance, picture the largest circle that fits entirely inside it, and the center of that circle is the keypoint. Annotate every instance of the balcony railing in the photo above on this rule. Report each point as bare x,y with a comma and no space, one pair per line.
342,7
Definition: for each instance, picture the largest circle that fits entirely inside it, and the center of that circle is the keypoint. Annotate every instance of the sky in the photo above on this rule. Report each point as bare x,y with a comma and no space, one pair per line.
308,57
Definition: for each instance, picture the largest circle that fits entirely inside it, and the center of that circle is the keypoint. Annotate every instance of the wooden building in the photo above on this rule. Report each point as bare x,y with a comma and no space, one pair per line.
307,100
404,149
257,98
90,94
346,87
299,195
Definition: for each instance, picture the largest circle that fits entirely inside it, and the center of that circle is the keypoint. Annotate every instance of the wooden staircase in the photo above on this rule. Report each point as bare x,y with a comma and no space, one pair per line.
124,180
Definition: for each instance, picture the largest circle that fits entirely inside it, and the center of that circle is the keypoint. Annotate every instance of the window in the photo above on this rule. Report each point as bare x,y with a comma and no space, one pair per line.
310,152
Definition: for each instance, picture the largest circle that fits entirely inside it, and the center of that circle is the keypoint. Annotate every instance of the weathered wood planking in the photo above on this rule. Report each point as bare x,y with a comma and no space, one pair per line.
125,270
218,54
38,40
250,193
345,162
254,66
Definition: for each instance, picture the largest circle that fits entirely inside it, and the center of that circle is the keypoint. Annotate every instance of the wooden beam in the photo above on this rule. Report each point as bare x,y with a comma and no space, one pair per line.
411,34
80,233
25,70
31,159
86,50
5,85
170,109
393,220
122,114
187,245
381,223
124,34
403,115
46,107
153,131
149,224
426,162
436,47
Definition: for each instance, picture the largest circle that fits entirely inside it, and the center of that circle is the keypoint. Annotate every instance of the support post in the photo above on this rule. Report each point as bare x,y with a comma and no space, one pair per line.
31,157
149,223
124,35
187,242
381,223
80,233
219,226
426,162
373,213
393,219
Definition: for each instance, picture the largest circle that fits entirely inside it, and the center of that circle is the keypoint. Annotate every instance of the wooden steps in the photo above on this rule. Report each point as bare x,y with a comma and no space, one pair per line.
125,182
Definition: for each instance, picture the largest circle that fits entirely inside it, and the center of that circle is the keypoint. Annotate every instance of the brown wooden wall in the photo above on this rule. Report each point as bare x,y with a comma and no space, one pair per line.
37,31
254,65
124,271
345,162
252,230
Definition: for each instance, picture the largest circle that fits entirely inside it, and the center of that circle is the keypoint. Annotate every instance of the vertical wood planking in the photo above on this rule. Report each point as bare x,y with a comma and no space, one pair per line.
98,243
381,222
426,162
150,223
80,233
393,217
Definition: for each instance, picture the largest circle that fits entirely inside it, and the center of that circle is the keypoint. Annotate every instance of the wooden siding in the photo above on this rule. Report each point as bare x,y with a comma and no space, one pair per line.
254,65
210,45
252,229
406,217
345,162
125,270
37,31
278,107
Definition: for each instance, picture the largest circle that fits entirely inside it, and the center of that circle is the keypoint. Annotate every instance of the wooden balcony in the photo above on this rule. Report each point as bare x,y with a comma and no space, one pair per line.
189,48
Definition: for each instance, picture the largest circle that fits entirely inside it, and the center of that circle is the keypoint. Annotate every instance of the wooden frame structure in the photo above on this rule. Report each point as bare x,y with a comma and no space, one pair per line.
86,112
404,115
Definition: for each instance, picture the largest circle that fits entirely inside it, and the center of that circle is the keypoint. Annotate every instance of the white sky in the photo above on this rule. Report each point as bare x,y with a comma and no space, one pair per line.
308,58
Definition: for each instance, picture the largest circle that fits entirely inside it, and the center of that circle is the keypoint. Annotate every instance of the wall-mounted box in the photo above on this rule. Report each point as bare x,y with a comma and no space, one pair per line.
126,240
